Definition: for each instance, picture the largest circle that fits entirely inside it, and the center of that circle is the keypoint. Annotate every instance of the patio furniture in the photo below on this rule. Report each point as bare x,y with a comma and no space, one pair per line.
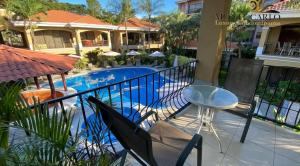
208,99
286,48
152,147
242,79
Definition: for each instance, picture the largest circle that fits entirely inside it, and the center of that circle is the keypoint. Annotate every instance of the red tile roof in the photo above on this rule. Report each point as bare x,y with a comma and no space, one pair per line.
138,23
66,17
280,6
16,63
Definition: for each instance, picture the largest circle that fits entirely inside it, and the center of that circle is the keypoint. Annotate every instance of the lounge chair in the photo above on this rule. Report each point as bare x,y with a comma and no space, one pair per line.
163,144
242,79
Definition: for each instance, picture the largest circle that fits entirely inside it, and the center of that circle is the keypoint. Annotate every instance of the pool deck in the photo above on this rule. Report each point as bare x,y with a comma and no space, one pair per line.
266,144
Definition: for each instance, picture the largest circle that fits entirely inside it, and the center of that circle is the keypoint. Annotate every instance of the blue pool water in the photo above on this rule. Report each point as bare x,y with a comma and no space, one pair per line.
143,91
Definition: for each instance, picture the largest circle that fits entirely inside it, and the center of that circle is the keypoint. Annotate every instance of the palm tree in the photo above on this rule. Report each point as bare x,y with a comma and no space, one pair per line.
238,19
150,8
25,9
123,8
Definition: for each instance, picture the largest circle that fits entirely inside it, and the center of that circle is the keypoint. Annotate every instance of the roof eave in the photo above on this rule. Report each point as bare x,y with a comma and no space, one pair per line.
138,29
70,25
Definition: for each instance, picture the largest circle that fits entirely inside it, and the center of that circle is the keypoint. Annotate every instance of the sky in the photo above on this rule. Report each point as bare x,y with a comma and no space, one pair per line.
169,5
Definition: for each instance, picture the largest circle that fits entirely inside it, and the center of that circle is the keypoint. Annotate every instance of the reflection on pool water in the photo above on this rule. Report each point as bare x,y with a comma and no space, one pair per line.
143,90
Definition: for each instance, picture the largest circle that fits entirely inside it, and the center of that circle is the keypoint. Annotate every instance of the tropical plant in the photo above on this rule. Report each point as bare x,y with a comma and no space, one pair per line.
42,133
81,63
26,9
150,8
238,23
9,95
178,29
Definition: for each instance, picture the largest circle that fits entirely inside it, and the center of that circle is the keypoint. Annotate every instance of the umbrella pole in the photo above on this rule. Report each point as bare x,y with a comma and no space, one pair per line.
64,81
36,81
53,94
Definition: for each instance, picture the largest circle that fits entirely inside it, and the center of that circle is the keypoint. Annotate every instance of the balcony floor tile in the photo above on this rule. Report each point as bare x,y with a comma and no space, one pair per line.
266,143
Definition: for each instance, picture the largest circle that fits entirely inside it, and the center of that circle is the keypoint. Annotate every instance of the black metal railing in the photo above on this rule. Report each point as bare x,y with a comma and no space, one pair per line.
159,91
278,96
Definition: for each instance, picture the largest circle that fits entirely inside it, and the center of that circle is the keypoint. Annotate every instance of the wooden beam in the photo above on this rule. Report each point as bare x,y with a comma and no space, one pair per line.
64,81
53,93
36,81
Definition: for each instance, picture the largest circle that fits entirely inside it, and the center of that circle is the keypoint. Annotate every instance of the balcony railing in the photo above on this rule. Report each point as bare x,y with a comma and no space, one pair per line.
93,43
195,8
287,49
278,96
158,91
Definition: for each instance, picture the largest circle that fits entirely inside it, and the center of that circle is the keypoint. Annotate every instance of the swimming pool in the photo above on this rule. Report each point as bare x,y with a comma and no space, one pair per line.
132,94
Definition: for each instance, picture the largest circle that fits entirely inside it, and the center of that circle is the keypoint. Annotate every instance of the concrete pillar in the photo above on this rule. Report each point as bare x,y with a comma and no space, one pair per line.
262,41
28,39
121,38
78,42
272,39
211,40
109,40
143,35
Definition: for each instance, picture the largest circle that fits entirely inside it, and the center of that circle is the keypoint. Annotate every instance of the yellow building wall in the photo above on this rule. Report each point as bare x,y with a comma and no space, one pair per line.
76,41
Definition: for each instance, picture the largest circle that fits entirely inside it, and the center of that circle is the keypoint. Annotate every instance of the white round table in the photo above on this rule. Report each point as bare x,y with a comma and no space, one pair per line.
209,98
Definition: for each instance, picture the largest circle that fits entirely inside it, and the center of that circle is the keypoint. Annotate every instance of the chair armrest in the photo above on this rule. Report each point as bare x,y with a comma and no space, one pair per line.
196,140
146,116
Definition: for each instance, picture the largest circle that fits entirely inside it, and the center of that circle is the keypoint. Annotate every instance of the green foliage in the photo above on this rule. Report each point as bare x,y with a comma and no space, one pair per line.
284,91
121,9
247,52
293,4
9,95
178,29
75,8
25,8
81,63
45,139
93,7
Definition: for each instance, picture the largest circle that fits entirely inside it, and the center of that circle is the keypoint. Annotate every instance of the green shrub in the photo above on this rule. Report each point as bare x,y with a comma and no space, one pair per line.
81,64
95,57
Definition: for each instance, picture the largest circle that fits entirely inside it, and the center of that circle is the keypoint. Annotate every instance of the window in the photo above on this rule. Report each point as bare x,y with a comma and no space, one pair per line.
155,38
48,39
87,35
13,38
195,7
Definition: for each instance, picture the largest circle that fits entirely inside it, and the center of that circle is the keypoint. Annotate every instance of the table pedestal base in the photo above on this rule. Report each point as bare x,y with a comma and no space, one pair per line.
205,117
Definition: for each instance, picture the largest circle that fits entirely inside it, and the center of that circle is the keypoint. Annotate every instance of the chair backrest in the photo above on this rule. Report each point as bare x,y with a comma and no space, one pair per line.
131,136
242,78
